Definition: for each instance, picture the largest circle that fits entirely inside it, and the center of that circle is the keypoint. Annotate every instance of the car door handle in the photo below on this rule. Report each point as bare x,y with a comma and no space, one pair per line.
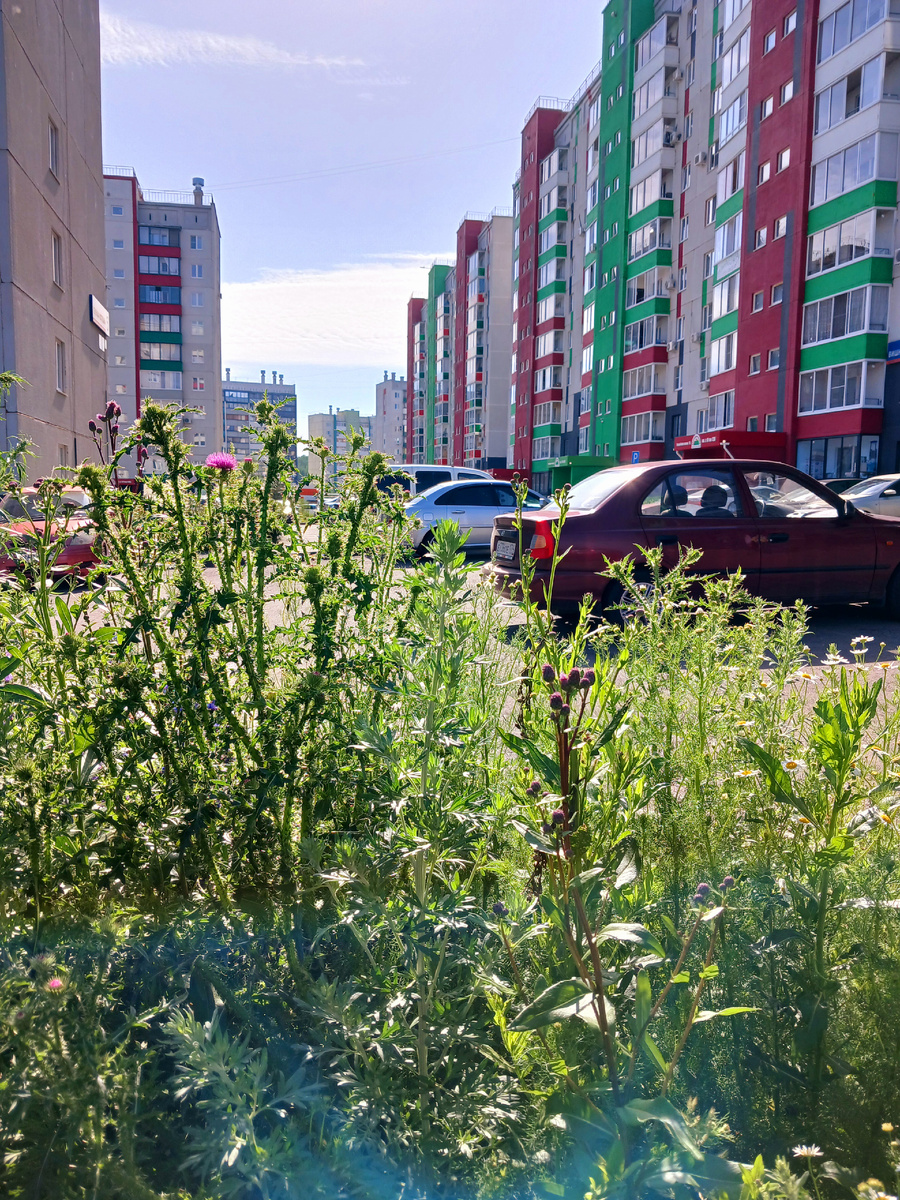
667,539
457,512
778,537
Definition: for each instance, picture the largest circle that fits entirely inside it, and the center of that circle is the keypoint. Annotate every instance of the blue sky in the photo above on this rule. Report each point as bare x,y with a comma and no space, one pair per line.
343,142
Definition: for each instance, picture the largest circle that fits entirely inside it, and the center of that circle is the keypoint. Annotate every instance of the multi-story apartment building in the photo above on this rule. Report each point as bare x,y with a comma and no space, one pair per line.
459,350
333,427
163,289
389,422
239,399
52,296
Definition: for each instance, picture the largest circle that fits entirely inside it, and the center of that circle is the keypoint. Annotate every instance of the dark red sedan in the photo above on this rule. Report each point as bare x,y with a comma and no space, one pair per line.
792,537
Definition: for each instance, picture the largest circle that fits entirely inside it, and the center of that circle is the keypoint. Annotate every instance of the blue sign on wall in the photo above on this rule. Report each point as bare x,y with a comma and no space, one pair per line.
635,456
893,352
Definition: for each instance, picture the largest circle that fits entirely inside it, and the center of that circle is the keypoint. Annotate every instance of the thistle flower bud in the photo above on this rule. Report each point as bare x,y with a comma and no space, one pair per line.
565,710
564,682
114,430
727,882
118,411
100,417
111,408
546,829
547,673
697,899
588,678
556,702
575,677
703,889
500,909
92,426
558,816
534,788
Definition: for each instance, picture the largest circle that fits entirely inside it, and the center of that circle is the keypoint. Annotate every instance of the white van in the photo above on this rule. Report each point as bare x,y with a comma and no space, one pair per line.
424,475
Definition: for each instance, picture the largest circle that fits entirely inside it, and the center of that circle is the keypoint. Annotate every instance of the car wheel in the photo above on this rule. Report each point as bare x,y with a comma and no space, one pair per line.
425,545
892,597
619,605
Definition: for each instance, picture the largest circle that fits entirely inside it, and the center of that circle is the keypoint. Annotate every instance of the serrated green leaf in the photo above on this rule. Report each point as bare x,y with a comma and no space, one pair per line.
707,1015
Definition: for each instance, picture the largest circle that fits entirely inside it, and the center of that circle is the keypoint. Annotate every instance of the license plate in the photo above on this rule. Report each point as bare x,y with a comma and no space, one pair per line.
505,550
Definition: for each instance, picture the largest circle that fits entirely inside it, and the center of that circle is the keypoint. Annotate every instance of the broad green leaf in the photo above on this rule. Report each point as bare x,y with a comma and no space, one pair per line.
643,999
621,931
543,765
776,776
567,998
710,972
713,913
659,1109
9,664
535,840
707,1014
628,869
681,977
65,616
709,1175
19,691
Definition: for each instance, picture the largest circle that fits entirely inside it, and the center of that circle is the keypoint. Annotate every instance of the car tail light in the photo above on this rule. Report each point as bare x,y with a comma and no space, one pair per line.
542,543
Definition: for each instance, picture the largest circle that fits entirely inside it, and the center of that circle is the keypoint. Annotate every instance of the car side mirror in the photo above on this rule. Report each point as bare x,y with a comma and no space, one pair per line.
889,492
847,510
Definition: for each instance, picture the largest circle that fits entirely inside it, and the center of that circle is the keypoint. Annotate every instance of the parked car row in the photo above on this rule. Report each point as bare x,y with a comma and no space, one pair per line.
23,520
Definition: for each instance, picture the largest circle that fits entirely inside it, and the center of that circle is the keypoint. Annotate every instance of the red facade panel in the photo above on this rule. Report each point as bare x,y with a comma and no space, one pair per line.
466,244
414,310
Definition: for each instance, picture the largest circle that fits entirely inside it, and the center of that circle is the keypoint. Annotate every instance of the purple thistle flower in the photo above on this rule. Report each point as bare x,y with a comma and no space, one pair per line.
248,462
565,710
547,673
212,706
92,426
565,682
118,410
221,462
575,678
558,816
7,679
500,909
556,702
703,889
697,899
114,430
100,418
111,409
546,829
534,788
55,985
727,882
588,678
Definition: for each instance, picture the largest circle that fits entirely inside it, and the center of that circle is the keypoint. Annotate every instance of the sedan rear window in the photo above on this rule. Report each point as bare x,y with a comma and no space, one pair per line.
867,487
597,488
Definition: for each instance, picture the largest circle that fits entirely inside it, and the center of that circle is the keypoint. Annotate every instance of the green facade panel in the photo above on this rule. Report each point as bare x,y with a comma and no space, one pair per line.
560,250
661,208
551,289
551,429
724,325
657,306
880,193
171,338
656,258
843,350
730,207
558,214
853,275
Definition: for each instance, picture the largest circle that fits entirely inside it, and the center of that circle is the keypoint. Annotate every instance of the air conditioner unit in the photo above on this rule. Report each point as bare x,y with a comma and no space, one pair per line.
695,338
700,158
670,346
704,385
670,283
679,74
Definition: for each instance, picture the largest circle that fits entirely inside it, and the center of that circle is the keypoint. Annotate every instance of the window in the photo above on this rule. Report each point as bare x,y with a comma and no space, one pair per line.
121,389
717,413
774,359
648,143
696,492
118,243
710,210
771,422
846,24
118,273
151,235
760,239
722,354
643,427
545,447
648,93
60,367
780,228
853,166
858,90
198,384
56,258
161,351
790,22
196,299
119,302
733,119
689,124
160,323
654,236
846,386
777,293
707,264
117,210
682,279
705,317
149,294
767,107
167,381
649,332
725,296
546,378
120,332
787,91
196,241
757,303
53,138
196,329
587,319
584,439
784,159
650,44
154,265
196,270
732,9
736,58
849,240
730,179
120,360
752,424
865,308
644,381
755,364
769,41
648,191
765,169
685,228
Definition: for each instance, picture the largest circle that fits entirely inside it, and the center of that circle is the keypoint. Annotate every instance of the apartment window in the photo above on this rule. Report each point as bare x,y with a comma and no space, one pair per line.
160,323
769,42
62,455
705,317
752,423
787,91
587,359
689,73
725,296
198,384
150,294
169,381
777,293
594,113
120,332
767,107
846,24
755,364
160,351
757,302
60,367
790,22
118,273
731,178
53,136
117,210
784,159
760,239
121,389
118,243
643,427
858,90
733,119
644,381
682,279
56,253
780,228
685,177
722,356
689,125
856,164
710,210
197,329
196,299
774,359
685,228
120,360
865,308
119,302
846,386
765,170
196,270
196,241
679,329
198,356
736,58
707,264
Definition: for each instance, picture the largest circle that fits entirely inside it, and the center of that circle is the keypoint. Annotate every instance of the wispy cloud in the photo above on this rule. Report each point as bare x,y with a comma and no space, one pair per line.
351,315
126,43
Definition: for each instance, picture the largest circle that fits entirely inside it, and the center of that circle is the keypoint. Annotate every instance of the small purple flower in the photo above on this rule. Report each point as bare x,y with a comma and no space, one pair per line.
221,462
118,410
546,829
7,679
212,706
565,682
500,909
100,418
575,678
114,430
558,816
55,985
703,889
697,899
534,788
92,426
727,882
248,462
564,711
547,673
111,409
556,702
588,678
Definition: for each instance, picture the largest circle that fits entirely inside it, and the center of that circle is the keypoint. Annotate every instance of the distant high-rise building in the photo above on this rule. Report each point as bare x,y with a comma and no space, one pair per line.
389,423
163,288
52,291
240,427
333,427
